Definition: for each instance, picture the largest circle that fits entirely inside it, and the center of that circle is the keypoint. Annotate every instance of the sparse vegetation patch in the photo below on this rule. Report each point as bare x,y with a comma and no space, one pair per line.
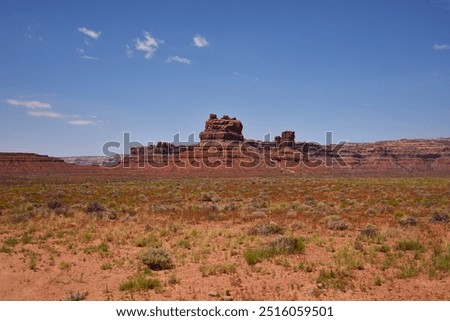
157,258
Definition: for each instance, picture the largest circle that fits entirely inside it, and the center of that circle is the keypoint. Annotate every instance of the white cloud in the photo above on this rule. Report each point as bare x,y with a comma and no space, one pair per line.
200,41
90,33
179,59
88,57
81,122
441,47
28,103
148,45
43,110
129,51
49,114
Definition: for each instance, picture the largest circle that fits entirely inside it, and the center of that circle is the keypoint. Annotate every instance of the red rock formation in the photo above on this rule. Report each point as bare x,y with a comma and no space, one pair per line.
288,136
225,129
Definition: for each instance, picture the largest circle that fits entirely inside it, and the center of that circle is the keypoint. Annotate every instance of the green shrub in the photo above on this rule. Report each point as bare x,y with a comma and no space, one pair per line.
217,269
408,270
334,279
139,282
348,259
149,241
410,245
281,245
185,244
399,214
102,249
441,259
12,241
157,258
253,256
5,249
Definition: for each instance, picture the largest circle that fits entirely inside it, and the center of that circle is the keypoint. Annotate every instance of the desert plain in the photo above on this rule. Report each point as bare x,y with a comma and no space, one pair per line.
276,237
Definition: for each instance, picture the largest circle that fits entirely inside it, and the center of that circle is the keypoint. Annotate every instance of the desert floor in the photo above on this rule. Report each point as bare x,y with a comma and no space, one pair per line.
278,238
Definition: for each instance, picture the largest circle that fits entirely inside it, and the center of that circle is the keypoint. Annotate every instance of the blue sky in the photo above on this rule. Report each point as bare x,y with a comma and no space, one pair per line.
74,75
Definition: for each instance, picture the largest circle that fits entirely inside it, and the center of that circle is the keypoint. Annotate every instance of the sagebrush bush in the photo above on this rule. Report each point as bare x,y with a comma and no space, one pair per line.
439,218
287,245
54,204
408,221
95,207
157,258
335,223
370,230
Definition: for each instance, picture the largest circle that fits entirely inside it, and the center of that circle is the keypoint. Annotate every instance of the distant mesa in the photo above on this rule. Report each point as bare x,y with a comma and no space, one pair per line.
225,131
223,146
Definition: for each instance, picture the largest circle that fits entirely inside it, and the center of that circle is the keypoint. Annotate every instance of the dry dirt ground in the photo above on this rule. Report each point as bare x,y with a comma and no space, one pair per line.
278,238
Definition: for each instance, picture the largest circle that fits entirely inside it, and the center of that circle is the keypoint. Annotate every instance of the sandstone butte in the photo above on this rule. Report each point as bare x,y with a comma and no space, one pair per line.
223,151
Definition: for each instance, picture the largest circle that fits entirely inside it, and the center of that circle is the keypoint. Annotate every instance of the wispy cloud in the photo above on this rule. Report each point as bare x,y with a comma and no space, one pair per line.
28,103
43,110
441,47
88,57
83,55
81,122
90,33
200,41
129,51
32,33
148,45
48,114
179,59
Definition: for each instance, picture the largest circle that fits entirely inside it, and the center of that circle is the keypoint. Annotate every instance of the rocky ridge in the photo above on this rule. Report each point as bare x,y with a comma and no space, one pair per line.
223,150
